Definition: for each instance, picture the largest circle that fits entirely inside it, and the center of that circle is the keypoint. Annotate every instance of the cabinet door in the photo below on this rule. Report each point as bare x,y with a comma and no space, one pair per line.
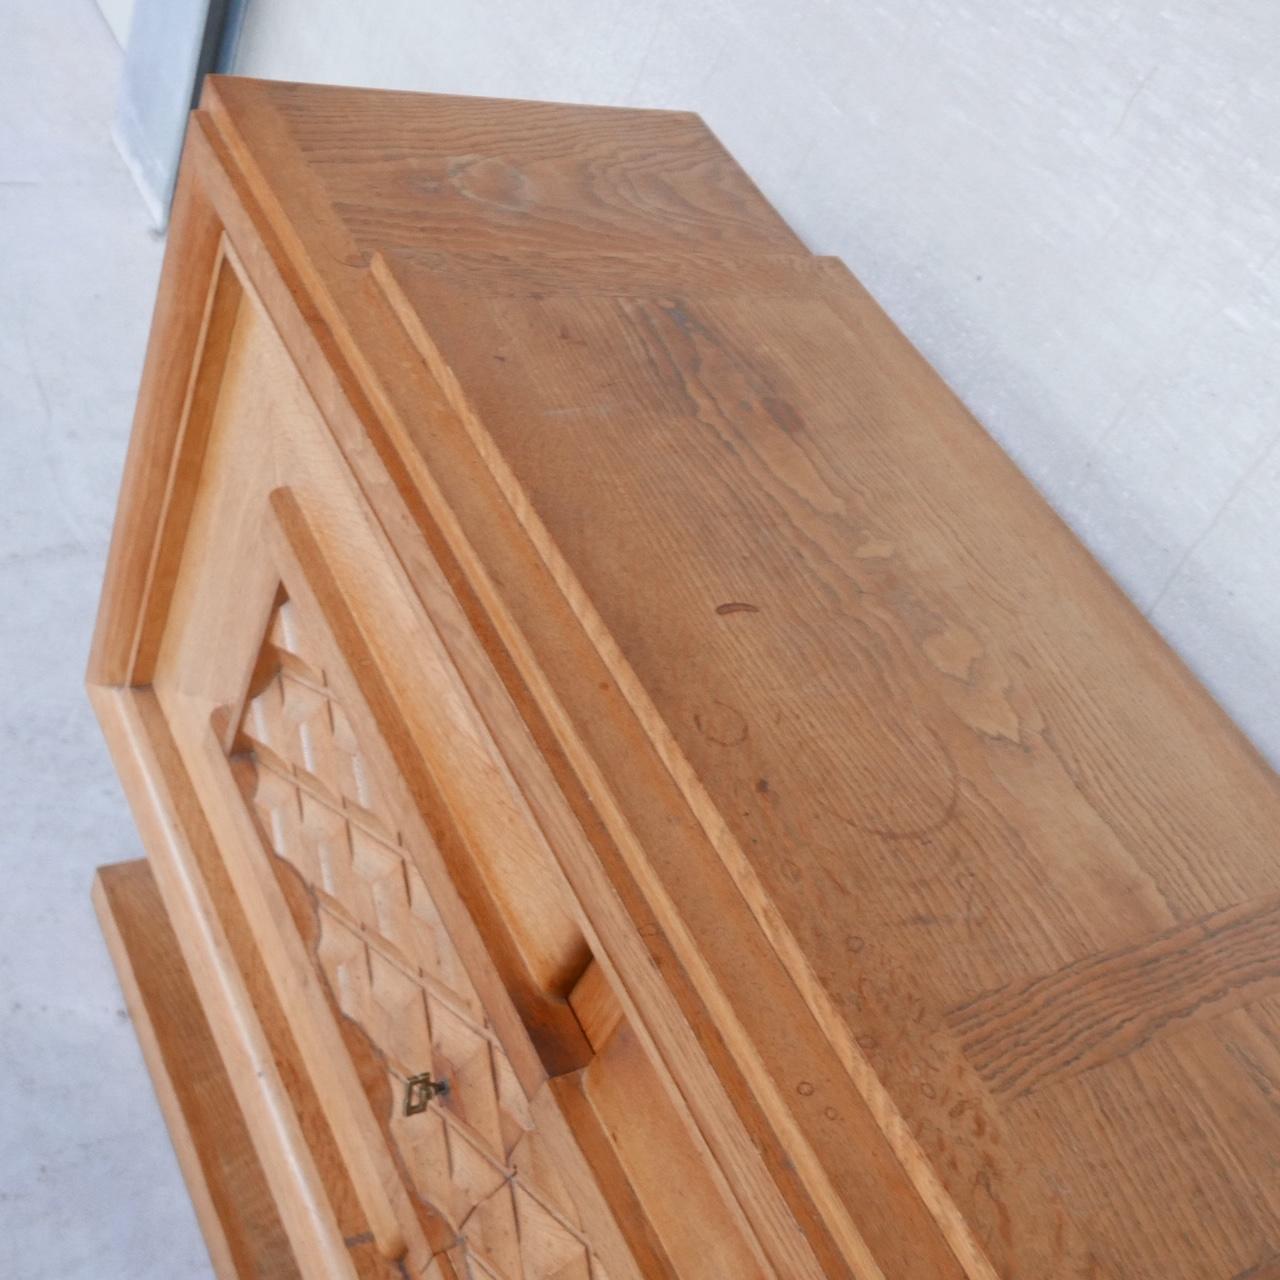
326,849
426,950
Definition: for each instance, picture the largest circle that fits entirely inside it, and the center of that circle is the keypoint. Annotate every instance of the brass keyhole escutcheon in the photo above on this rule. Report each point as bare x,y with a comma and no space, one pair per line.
419,1090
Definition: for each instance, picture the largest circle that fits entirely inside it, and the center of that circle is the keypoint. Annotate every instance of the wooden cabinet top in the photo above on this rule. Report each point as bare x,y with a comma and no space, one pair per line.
969,890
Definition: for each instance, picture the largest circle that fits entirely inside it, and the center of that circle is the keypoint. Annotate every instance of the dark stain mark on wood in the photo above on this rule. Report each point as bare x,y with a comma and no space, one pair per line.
721,724
1267,1269
490,181
783,414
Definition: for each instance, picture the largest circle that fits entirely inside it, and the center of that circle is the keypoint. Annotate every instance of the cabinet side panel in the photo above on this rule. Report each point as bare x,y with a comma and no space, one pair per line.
177,333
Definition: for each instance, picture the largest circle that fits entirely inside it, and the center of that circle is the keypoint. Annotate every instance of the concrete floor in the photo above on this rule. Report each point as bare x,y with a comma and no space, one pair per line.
89,1186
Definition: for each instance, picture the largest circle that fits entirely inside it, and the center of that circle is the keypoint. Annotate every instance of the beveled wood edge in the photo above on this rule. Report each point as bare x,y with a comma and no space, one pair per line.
372,404
126,900
600,1156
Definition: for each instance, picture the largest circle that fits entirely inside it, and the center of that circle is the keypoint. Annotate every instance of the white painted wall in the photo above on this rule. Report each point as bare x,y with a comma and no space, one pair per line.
1071,206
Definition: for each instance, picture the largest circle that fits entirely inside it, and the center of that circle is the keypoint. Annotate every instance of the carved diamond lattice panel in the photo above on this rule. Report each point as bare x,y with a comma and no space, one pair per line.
472,1156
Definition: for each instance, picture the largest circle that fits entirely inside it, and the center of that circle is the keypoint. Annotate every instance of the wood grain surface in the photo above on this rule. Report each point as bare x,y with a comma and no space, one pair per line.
919,724
236,1210
937,896
310,1184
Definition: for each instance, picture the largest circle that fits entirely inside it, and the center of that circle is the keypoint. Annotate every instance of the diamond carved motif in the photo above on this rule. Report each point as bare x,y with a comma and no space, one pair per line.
473,1156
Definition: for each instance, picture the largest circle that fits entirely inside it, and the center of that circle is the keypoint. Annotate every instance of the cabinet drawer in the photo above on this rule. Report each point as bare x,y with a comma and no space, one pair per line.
492,1104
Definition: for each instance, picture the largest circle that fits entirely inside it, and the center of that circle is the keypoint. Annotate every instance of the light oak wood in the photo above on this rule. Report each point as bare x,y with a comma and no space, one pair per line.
308,1181
562,638
232,1199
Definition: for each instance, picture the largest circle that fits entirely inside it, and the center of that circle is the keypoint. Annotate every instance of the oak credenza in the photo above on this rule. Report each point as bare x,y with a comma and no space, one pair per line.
635,782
